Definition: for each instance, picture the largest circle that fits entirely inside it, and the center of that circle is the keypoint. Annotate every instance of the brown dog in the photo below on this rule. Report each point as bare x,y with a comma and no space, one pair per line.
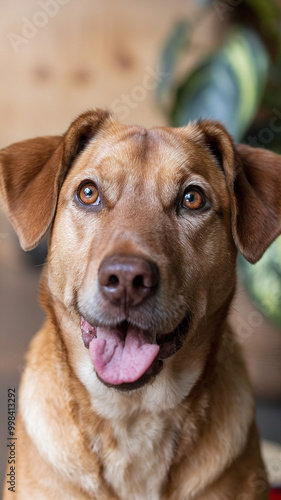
153,402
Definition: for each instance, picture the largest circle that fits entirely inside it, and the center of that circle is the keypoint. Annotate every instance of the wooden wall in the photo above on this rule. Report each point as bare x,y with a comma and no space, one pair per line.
86,53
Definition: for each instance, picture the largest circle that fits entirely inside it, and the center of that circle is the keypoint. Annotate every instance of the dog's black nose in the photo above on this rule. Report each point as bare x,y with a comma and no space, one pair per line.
127,280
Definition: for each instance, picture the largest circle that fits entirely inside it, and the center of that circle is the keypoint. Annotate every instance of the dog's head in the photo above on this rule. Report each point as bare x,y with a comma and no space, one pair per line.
145,227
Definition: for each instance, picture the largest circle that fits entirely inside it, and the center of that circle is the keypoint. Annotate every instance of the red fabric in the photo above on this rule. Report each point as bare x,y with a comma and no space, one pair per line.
275,494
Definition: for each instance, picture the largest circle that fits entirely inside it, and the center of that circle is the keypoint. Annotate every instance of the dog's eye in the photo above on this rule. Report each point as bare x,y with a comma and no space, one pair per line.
193,198
88,193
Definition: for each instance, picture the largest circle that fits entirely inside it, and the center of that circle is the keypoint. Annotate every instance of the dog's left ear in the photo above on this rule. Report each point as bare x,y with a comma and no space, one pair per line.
257,200
32,173
253,178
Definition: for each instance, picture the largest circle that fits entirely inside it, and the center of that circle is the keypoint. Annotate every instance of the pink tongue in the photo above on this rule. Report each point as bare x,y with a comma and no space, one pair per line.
119,361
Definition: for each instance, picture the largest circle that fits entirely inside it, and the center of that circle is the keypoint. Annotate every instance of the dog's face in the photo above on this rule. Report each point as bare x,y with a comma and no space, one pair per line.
142,238
145,233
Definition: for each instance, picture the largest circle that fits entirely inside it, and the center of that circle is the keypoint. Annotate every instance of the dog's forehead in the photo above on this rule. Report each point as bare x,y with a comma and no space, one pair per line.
138,148
135,151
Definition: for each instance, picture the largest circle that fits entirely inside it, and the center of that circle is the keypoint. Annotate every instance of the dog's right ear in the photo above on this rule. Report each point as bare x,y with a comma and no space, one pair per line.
32,173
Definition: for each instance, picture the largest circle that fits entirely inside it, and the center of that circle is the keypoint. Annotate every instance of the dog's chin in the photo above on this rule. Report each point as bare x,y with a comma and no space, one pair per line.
127,357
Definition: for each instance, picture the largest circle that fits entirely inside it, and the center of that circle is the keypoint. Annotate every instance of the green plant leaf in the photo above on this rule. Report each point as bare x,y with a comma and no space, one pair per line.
177,43
228,86
266,10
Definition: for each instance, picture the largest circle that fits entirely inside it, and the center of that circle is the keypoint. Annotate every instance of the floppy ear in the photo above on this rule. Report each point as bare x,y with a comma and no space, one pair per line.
253,178
257,200
32,173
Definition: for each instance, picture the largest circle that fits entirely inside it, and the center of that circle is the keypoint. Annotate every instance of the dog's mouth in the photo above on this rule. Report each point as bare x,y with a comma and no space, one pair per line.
126,356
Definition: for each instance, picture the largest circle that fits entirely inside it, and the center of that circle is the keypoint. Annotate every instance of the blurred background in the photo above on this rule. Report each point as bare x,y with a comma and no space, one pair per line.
159,62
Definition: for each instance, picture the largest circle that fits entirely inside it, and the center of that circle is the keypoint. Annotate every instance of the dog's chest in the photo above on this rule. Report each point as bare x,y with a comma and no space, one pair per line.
137,468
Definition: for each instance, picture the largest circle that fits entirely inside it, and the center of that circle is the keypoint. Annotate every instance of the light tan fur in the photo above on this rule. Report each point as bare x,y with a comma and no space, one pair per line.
189,432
